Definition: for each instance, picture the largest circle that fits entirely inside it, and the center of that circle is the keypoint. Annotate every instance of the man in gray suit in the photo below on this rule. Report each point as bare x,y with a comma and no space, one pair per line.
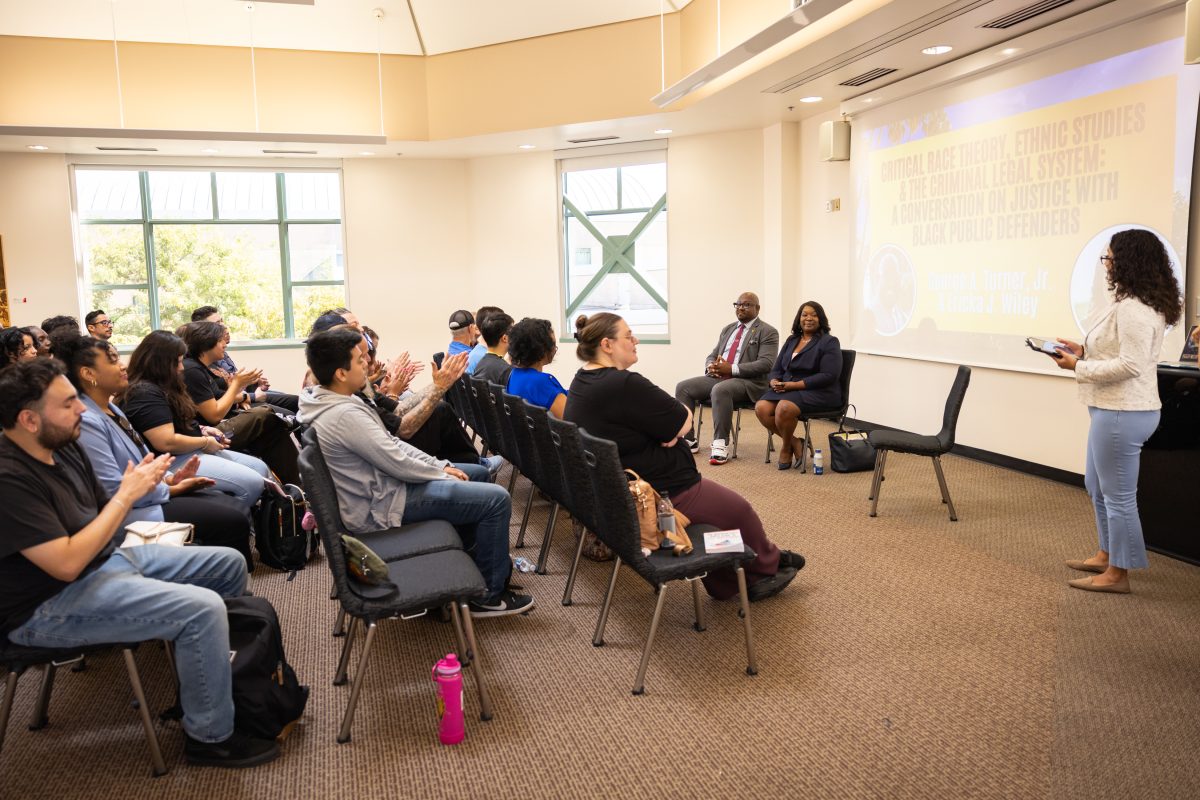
736,370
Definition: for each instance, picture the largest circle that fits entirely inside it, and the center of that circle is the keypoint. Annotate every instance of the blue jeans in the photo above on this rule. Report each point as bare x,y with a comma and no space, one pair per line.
1114,453
236,474
156,591
479,510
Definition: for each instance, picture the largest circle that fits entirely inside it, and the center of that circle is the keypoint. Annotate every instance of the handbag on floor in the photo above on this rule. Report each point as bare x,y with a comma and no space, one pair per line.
849,450
645,500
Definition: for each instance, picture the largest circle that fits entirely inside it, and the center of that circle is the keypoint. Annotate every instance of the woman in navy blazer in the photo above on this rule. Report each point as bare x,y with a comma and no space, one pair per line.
807,374
111,443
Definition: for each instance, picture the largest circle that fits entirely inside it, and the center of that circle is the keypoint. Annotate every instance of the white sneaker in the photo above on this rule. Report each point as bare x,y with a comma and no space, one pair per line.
718,454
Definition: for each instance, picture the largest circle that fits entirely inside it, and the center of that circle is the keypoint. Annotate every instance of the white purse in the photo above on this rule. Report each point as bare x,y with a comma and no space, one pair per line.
176,534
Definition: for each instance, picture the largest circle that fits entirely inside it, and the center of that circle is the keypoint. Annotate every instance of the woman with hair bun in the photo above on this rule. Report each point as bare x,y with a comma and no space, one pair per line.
1116,370
647,425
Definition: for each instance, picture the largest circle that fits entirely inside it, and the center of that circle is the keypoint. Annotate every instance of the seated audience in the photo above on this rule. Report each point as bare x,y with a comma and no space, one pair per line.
64,582
647,424
16,344
255,431
225,367
160,409
41,339
95,370
99,326
531,347
61,322
480,349
463,333
493,367
382,482
807,374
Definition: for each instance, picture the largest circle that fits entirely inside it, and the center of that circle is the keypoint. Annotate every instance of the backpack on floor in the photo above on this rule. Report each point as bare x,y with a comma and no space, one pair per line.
280,538
267,698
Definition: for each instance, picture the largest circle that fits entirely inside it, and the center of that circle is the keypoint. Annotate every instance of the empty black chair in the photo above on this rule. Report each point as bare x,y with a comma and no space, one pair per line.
438,579
578,479
932,446
619,530
831,414
16,659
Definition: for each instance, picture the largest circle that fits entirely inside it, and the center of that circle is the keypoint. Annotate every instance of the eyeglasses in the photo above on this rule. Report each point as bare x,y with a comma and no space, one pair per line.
745,305
1106,259
105,322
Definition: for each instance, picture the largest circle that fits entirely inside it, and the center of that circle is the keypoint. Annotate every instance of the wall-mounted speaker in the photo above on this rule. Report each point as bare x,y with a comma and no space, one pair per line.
1191,36
835,139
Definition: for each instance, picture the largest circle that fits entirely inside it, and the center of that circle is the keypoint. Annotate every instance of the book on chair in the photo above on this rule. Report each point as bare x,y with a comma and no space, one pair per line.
723,541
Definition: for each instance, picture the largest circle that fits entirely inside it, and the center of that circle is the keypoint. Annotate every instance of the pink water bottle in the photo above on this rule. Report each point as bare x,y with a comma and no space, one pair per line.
447,674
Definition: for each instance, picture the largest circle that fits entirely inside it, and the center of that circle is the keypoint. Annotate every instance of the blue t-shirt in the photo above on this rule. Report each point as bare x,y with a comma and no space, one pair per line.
457,347
539,388
477,354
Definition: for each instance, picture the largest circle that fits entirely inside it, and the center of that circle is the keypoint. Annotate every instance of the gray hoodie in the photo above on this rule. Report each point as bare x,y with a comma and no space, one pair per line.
371,468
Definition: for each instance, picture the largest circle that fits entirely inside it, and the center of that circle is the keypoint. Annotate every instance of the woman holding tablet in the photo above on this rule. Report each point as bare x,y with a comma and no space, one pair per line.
1115,368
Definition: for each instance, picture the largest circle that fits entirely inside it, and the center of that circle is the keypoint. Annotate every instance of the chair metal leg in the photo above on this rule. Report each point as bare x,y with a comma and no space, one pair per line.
10,690
699,426
737,429
639,684
804,451
333,592
744,598
937,468
544,553
41,709
339,677
699,625
525,516
464,653
598,637
581,534
770,447
512,477
156,758
485,700
356,685
877,479
339,627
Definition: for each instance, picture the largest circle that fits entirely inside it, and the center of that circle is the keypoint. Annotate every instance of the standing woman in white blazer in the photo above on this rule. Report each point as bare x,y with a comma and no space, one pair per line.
1116,370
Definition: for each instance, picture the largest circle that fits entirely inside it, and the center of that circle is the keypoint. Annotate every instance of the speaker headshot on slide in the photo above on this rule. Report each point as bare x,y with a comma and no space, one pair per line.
1116,371
890,289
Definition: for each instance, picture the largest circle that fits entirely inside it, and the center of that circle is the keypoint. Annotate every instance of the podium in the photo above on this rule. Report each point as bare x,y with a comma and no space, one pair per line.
1169,479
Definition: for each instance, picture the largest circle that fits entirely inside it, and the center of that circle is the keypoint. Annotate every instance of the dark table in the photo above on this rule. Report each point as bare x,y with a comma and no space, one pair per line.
1169,479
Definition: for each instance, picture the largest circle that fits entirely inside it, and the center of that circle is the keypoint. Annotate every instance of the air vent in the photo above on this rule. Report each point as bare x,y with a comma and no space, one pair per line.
129,149
867,77
290,152
593,139
1024,14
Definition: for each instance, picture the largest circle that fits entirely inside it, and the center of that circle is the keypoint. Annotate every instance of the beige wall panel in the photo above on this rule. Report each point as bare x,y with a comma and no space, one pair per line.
597,73
35,227
186,87
311,92
741,19
698,35
405,100
57,82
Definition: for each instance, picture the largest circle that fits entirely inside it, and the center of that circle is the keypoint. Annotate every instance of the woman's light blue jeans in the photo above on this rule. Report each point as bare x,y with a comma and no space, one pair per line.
236,474
1114,454
156,591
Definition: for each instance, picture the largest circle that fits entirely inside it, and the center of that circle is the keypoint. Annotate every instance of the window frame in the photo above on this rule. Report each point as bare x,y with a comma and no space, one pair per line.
280,221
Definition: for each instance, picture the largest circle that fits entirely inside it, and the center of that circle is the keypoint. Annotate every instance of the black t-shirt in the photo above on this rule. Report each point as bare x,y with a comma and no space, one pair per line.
201,384
40,503
147,407
493,369
627,408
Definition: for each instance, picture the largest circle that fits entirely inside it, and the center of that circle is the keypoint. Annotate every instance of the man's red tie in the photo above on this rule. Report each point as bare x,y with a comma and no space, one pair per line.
733,348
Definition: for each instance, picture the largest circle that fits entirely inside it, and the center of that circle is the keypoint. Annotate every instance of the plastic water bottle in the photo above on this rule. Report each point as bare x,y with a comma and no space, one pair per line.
818,463
447,675
523,564
666,519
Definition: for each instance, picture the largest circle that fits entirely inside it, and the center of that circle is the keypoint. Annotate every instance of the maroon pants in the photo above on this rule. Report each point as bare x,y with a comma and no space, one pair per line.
714,504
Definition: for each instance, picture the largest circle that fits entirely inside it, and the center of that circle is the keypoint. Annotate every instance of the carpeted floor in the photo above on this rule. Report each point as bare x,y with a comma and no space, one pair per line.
912,658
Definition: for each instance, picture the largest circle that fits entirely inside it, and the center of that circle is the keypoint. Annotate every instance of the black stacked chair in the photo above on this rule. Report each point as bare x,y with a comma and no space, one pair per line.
578,479
554,480
619,529
932,446
831,414
511,412
498,440
430,579
459,398
16,659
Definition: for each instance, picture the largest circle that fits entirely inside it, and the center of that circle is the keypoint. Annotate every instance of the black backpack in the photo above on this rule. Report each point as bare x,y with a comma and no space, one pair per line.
267,697
278,536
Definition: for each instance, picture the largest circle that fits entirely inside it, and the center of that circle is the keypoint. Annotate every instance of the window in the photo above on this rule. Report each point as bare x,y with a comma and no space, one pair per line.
264,247
615,243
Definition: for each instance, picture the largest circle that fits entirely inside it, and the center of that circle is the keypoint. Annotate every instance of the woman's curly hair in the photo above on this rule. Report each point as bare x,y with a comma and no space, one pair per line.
1141,269
529,341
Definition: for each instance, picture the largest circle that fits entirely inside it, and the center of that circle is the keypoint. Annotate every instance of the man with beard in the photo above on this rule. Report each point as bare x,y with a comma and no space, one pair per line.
65,583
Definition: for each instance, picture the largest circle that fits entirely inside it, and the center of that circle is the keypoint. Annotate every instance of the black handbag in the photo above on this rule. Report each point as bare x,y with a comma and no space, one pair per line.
849,450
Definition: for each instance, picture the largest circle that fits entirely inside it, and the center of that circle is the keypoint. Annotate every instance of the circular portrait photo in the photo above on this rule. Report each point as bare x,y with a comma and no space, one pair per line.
890,290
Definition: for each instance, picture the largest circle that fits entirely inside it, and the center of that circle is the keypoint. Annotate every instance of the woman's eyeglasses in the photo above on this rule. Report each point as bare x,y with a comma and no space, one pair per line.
1106,260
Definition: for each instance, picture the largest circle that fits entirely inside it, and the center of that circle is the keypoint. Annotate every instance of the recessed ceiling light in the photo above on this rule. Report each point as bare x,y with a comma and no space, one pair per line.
38,147
1008,51
528,146
812,99
210,150
663,131
868,99
937,50
365,153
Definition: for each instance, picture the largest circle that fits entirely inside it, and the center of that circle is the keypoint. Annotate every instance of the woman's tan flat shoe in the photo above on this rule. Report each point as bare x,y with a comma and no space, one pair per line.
1088,585
1083,566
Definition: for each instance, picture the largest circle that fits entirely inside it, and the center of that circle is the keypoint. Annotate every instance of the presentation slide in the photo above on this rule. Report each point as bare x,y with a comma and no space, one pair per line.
982,214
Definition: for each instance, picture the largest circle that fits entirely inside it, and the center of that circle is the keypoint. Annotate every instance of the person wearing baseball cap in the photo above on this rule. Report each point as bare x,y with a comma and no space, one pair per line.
463,332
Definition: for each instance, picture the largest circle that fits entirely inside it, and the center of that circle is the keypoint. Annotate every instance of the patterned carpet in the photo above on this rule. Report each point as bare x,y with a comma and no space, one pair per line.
912,658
